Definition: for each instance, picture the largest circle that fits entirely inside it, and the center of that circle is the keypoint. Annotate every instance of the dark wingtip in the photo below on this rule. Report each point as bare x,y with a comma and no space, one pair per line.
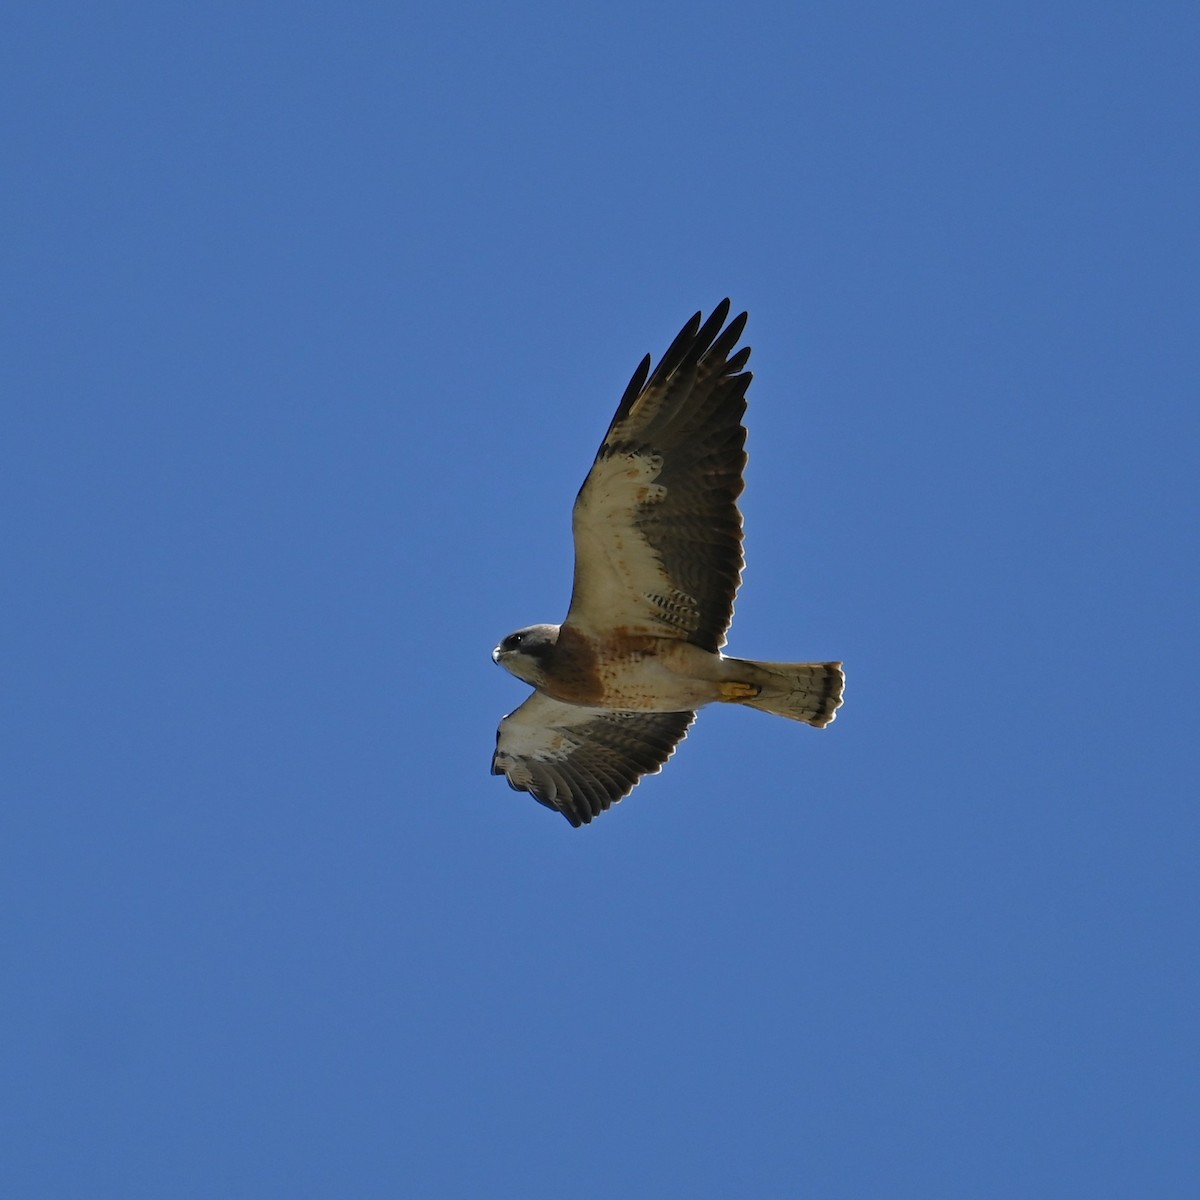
707,333
738,361
722,345
678,349
633,390
699,339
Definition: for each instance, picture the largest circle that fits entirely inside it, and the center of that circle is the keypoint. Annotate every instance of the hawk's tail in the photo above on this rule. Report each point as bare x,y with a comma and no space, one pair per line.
808,692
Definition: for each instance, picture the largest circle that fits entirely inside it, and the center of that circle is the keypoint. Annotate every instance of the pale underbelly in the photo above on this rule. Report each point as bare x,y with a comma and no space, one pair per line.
685,678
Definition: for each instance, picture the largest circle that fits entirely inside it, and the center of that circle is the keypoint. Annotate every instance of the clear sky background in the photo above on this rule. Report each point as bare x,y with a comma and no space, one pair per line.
314,316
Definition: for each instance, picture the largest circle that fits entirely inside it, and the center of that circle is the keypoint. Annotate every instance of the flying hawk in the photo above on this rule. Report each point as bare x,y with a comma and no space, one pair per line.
658,560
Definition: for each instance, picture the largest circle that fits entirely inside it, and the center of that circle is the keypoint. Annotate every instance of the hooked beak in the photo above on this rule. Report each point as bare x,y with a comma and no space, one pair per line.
496,655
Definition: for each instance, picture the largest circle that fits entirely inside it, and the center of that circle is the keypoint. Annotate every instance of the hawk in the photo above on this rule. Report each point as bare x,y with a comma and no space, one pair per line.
658,561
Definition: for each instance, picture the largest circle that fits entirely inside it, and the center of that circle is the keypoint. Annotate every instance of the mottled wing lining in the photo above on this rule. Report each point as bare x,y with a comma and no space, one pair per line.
580,761
671,464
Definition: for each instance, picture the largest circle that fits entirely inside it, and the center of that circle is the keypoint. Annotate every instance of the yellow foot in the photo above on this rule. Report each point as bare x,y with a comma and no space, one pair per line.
734,693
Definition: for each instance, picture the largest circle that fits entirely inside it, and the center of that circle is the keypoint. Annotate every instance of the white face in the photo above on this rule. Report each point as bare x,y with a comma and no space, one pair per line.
524,653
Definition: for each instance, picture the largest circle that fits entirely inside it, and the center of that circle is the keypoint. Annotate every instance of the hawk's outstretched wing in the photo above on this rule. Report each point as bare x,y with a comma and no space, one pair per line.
581,760
658,534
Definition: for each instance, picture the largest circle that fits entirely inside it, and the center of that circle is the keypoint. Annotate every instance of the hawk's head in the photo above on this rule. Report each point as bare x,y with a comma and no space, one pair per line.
527,652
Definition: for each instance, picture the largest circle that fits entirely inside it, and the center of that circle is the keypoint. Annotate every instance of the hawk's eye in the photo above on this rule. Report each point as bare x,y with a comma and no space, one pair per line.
512,641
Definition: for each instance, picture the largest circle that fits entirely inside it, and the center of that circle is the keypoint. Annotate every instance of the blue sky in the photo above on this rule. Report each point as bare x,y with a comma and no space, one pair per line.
314,318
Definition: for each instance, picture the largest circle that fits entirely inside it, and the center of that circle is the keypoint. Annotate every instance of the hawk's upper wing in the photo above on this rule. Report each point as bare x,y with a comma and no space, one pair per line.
581,760
658,534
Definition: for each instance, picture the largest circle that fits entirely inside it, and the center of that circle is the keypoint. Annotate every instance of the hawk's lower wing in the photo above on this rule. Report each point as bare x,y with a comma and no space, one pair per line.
582,760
